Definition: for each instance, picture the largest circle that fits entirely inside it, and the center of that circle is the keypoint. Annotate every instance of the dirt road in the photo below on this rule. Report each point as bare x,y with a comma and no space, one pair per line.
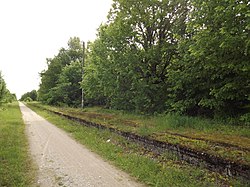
62,161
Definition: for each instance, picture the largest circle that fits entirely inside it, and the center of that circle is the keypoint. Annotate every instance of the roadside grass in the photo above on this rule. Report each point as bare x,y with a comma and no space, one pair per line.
204,135
15,162
152,170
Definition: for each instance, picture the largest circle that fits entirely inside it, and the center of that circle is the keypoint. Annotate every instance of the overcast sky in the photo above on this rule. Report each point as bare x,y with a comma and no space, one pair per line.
33,30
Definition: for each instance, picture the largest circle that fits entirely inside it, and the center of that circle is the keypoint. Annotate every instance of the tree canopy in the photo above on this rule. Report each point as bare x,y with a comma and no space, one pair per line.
212,74
184,56
190,57
60,83
132,53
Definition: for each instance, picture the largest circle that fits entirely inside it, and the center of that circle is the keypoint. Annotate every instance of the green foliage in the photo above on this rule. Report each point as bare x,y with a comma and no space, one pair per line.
29,96
2,88
5,95
28,99
68,87
190,57
60,82
49,77
245,119
212,74
129,60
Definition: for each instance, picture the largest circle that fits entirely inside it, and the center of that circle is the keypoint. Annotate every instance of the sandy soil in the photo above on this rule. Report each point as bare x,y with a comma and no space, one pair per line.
62,161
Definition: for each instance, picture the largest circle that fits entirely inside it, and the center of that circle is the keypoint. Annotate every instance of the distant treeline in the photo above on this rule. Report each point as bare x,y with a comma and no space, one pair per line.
29,96
5,95
187,56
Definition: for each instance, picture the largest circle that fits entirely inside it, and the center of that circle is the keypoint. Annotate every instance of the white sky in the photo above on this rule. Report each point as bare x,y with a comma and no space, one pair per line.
33,30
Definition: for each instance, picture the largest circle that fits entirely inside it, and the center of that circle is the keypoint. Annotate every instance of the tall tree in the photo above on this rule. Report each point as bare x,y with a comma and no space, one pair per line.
68,87
5,95
50,77
213,73
139,44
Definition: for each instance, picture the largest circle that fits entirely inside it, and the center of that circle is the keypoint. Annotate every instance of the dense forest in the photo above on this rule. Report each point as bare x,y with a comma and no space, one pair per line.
184,56
5,95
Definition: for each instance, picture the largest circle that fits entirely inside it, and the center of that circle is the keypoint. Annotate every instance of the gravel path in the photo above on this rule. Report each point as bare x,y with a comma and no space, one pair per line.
62,161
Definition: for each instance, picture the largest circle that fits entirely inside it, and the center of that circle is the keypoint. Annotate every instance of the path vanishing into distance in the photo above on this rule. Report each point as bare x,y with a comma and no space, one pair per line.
62,161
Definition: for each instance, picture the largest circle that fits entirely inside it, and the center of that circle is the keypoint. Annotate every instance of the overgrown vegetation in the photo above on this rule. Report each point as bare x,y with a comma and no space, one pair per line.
166,170
15,163
205,136
190,57
5,95
29,96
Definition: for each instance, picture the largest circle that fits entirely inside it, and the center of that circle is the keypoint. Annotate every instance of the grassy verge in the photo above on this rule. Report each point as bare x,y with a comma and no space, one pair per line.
164,170
15,164
213,137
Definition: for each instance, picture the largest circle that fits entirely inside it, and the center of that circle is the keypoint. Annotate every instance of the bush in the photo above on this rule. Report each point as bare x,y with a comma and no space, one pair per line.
245,119
28,99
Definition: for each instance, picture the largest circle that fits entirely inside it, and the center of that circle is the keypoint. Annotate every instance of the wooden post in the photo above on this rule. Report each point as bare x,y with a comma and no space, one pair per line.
83,56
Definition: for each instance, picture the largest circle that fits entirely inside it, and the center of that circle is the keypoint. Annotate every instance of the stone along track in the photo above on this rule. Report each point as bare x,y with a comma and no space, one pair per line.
62,161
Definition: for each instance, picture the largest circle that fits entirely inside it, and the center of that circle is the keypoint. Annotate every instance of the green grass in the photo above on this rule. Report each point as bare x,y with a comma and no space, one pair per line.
152,170
15,163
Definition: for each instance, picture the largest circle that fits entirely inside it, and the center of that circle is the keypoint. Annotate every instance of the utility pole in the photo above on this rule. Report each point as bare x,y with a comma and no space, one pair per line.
83,56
